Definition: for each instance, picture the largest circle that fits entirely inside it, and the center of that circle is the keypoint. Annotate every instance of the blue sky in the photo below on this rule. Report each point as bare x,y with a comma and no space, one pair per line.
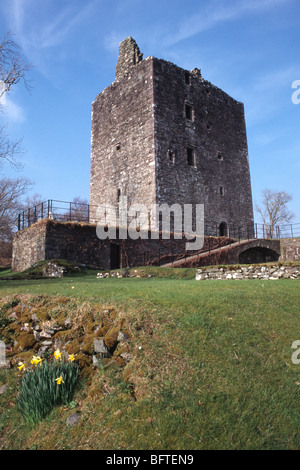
249,48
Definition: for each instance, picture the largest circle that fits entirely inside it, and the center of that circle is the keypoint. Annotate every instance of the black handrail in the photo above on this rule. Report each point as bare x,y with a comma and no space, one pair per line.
67,211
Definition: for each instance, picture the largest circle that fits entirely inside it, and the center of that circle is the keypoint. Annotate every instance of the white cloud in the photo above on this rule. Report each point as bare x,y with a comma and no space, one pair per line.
46,29
12,111
217,13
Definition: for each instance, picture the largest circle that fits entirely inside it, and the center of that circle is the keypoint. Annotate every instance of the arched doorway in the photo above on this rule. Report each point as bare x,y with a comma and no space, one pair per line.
223,229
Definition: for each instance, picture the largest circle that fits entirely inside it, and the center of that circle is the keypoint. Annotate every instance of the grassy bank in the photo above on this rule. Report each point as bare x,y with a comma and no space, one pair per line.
211,366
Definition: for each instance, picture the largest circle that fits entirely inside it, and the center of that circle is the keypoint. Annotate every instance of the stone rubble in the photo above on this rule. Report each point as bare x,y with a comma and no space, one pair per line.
54,270
265,272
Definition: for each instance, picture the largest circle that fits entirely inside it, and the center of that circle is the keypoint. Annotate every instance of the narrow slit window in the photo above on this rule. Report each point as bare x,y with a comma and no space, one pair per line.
220,156
118,146
221,191
171,155
187,78
189,111
190,156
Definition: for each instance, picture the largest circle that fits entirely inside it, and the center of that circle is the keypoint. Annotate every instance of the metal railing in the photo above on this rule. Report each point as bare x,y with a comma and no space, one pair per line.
56,210
80,212
277,231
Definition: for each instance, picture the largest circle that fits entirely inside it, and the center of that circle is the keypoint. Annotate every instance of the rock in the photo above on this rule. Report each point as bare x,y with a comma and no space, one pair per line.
68,322
37,335
23,306
36,323
95,361
111,337
122,336
46,343
48,333
13,316
99,347
102,275
3,389
25,327
265,272
126,356
73,419
53,270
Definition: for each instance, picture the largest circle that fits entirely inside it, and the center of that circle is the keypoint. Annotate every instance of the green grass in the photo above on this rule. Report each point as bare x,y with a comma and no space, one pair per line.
212,367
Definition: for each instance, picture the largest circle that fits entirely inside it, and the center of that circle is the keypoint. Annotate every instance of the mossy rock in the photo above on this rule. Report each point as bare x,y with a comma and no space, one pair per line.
64,336
42,313
74,347
84,362
24,356
25,341
89,324
111,337
25,317
88,345
102,330
11,331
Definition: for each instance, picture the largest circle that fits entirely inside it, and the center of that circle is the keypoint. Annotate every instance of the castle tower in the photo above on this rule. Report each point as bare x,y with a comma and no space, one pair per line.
162,134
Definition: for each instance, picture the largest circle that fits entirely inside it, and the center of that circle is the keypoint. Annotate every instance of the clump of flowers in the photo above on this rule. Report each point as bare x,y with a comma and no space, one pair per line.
46,385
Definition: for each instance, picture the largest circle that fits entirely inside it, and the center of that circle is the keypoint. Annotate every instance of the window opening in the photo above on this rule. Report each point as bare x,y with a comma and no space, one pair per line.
171,155
187,78
190,156
189,111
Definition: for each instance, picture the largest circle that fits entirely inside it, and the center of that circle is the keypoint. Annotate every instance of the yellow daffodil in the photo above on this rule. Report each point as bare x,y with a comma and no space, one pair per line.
57,354
21,366
59,380
72,357
36,360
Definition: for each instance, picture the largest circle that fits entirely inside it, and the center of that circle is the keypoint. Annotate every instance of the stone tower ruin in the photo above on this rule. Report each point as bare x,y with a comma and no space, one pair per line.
162,134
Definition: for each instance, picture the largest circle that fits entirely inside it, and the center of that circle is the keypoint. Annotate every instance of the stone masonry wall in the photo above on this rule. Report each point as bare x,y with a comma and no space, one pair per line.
78,242
129,55
122,147
161,134
250,272
28,247
290,249
213,128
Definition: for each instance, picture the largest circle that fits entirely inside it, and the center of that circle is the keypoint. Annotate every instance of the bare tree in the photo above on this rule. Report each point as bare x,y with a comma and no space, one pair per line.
11,193
79,210
13,69
273,210
33,208
10,151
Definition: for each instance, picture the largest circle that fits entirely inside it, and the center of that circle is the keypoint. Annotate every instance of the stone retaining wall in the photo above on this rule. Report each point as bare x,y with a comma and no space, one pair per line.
290,249
250,272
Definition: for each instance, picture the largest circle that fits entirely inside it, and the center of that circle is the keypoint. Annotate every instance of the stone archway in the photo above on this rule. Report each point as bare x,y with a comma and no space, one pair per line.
258,255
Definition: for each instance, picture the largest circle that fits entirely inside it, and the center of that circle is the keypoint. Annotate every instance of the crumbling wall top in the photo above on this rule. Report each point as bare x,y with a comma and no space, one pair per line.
129,55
